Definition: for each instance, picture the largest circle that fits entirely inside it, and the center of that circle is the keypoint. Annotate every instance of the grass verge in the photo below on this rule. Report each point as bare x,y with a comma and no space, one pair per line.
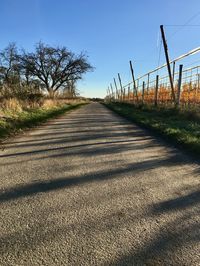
181,128
14,123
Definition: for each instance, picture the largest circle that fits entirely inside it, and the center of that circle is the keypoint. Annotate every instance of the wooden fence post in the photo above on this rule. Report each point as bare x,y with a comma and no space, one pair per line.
112,92
134,84
156,91
148,79
120,83
173,70
117,93
129,93
108,93
168,63
143,87
179,85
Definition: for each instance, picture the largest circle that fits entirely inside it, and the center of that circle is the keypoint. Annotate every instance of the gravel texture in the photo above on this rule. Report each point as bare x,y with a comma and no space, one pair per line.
90,188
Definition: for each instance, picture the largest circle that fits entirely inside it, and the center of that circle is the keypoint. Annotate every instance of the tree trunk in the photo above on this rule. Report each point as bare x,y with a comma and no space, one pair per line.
51,93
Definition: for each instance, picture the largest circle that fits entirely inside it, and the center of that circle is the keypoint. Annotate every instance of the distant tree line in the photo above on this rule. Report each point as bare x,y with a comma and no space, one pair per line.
96,99
49,70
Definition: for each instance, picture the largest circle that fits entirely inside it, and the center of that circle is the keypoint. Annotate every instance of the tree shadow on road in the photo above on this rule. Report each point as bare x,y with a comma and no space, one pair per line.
172,238
65,182
173,222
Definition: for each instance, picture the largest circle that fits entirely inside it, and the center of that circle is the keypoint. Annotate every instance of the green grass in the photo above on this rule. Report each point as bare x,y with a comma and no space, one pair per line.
178,127
14,123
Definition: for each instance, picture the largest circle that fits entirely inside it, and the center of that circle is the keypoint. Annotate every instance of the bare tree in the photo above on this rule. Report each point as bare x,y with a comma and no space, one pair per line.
9,65
55,67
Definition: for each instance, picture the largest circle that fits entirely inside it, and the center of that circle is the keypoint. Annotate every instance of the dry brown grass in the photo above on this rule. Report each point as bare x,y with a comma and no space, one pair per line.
49,103
13,105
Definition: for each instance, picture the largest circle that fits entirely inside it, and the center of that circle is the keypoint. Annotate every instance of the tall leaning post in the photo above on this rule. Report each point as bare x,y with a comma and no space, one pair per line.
133,77
168,62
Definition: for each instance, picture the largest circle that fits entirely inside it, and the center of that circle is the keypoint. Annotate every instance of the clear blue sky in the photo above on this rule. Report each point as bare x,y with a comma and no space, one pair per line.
111,31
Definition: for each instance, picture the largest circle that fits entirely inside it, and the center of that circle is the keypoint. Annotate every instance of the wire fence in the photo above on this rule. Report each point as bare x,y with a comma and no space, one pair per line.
154,89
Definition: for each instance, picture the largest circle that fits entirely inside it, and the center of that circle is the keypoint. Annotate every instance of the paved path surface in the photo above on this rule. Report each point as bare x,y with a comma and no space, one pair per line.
92,189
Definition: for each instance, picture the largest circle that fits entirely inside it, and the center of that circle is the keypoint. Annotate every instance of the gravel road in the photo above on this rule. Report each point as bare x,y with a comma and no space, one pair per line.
90,188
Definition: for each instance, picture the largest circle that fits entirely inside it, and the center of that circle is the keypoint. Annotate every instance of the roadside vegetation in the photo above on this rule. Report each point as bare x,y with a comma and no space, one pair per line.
180,127
15,118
